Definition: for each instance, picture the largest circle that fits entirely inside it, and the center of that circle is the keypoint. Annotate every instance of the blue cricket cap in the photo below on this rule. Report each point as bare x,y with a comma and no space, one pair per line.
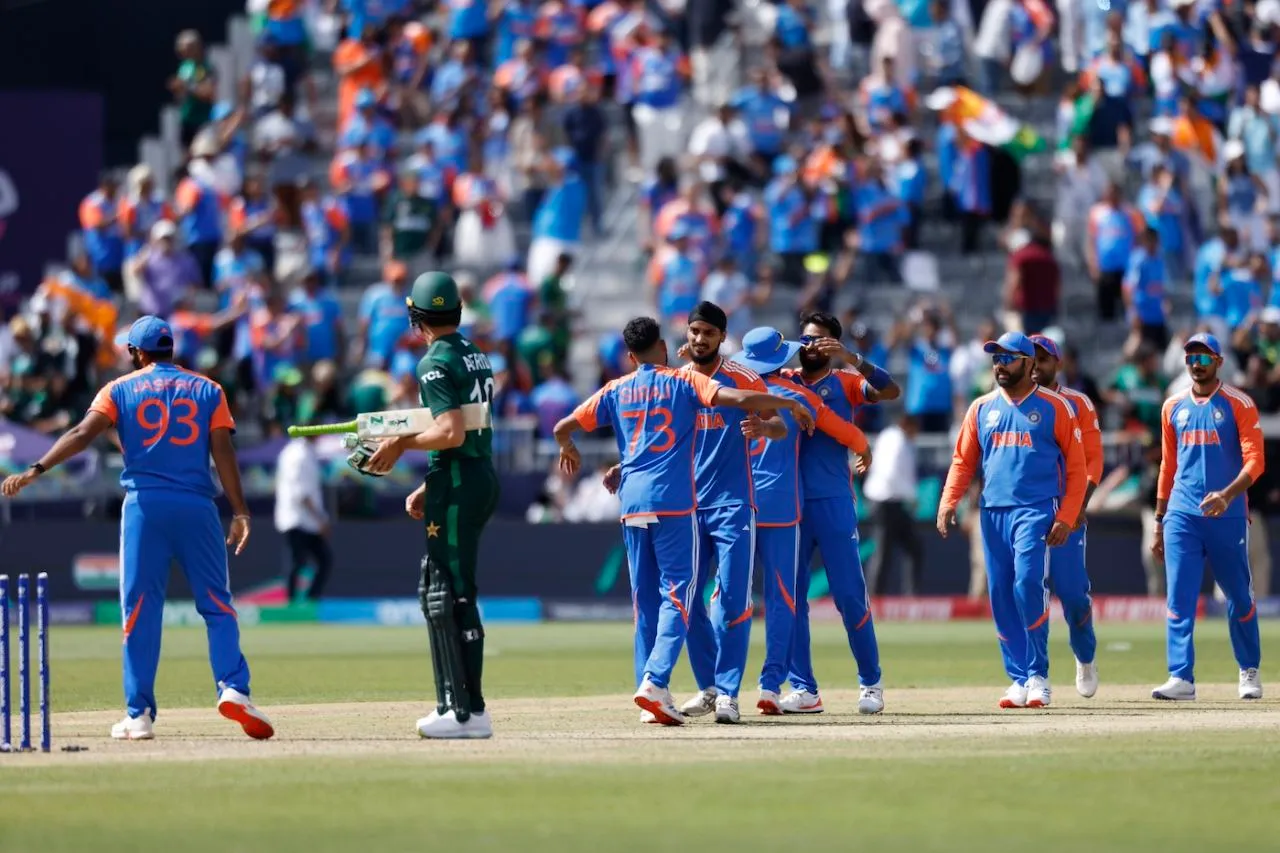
1206,340
147,334
365,99
1048,345
1015,342
765,350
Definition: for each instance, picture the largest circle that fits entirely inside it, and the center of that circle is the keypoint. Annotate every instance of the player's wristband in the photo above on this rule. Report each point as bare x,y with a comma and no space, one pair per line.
878,378
38,468
1159,519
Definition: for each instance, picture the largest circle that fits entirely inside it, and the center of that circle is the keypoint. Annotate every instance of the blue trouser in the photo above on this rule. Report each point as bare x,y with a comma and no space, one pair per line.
830,525
777,555
1013,539
156,529
1188,539
1071,583
661,557
718,641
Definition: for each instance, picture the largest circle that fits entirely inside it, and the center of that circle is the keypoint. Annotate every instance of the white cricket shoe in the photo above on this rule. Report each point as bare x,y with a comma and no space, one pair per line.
802,702
871,699
657,701
1086,679
437,726
1177,690
769,704
1250,684
234,705
727,709
1039,694
701,704
648,717
1014,697
134,728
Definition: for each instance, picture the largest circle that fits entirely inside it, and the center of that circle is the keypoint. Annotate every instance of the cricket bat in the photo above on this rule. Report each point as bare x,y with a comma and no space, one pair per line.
391,424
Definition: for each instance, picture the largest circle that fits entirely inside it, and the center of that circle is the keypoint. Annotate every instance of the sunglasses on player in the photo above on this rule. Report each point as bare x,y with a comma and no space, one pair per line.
810,340
1006,358
1199,359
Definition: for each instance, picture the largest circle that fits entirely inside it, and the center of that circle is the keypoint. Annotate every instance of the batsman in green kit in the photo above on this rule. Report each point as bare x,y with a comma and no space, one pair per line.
455,501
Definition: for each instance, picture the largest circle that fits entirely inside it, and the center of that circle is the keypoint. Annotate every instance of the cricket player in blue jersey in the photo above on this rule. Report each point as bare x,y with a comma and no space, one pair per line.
779,499
829,522
1026,441
654,414
169,422
726,523
1212,452
1067,564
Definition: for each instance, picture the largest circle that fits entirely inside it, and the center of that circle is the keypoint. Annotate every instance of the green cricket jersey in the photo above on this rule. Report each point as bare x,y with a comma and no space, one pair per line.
452,373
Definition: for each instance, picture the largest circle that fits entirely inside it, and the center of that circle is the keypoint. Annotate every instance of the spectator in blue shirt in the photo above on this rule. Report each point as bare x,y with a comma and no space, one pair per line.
510,300
321,318
552,400
909,184
793,231
1241,283
366,126
382,317
585,127
947,59
765,115
1162,206
1212,258
881,216
1144,291
929,392
971,185
557,224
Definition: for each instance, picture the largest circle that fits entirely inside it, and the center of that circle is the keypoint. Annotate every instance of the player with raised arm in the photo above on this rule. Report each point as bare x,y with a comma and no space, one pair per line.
1027,444
779,496
1067,564
169,422
654,413
1212,453
830,518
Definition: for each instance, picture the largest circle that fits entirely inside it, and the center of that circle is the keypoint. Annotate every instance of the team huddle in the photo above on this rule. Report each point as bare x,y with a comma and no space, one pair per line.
746,463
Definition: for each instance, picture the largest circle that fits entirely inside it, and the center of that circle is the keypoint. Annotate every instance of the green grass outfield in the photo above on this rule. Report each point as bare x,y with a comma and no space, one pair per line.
571,768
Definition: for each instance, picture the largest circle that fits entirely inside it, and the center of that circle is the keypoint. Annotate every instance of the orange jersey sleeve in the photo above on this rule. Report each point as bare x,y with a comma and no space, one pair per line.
853,384
1250,432
221,418
1067,431
104,405
833,425
704,387
585,414
1090,434
1168,450
90,214
188,194
964,460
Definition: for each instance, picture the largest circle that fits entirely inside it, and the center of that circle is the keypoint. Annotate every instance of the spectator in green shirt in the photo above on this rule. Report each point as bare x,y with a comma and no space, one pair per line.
555,301
536,348
1139,386
410,224
195,86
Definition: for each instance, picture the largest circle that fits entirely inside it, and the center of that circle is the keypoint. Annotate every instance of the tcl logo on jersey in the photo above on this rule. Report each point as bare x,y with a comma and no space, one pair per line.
433,374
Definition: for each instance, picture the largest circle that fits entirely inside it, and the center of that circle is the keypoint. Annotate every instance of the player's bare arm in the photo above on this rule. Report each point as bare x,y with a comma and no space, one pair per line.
880,385
570,458
754,426
448,432
69,445
414,503
224,462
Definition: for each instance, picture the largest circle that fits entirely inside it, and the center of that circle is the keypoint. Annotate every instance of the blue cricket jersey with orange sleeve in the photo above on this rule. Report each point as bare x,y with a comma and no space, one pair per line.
780,491
654,414
1206,444
1029,450
824,461
723,464
164,416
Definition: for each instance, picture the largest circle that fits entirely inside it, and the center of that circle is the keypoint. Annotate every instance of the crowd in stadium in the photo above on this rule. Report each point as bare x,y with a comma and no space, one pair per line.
481,138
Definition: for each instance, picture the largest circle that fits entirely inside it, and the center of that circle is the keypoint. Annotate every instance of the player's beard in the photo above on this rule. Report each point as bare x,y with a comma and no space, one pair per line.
135,358
704,360
812,363
1013,377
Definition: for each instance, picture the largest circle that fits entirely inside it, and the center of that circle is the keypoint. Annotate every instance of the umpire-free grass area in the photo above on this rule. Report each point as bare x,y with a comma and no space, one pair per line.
572,769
